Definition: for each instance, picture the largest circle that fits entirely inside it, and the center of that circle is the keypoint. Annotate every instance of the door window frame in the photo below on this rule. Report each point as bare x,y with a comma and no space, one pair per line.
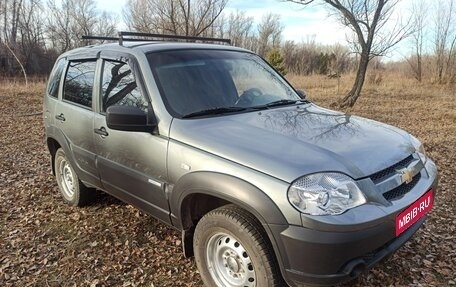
100,89
94,85
131,61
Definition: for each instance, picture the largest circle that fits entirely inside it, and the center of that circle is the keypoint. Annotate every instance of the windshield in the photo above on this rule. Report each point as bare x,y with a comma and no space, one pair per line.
194,81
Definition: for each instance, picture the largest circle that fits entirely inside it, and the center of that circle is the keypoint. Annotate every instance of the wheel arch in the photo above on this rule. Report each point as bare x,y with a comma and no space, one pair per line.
56,139
226,189
211,190
53,145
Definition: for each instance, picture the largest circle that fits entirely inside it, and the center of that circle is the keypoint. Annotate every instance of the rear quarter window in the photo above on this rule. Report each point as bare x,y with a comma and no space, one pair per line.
54,78
79,80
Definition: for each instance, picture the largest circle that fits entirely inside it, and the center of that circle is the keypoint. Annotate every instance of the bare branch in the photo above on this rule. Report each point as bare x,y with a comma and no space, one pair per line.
367,19
19,62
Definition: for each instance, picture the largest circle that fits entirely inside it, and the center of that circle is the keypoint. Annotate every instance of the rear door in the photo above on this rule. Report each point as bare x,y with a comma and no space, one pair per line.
74,117
132,165
52,92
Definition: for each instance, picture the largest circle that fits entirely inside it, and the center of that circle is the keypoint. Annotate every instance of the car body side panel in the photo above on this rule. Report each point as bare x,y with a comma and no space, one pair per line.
184,159
78,130
133,163
49,110
57,134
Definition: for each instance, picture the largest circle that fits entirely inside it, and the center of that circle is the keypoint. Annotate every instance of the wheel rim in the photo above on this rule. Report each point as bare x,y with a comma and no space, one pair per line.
228,262
67,179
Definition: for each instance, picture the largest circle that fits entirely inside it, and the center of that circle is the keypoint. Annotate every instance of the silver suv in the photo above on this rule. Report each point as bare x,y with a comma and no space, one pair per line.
267,188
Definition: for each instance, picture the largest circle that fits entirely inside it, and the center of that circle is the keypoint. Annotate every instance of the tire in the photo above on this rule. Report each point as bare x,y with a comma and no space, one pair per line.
232,249
73,191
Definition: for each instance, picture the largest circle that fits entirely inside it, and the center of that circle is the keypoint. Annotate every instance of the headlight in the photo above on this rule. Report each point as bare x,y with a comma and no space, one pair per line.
419,148
325,194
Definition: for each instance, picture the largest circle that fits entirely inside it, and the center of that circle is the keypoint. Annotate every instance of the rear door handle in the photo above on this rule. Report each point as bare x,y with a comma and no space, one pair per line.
60,117
101,131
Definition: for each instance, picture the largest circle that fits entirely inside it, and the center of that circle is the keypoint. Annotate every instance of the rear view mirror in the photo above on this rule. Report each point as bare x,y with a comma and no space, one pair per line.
301,93
125,118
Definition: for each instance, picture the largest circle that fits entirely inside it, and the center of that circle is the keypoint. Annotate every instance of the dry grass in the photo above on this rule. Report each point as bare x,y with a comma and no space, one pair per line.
43,242
427,111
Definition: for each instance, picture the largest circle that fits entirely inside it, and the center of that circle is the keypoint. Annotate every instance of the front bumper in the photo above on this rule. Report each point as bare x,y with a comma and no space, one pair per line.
330,258
326,254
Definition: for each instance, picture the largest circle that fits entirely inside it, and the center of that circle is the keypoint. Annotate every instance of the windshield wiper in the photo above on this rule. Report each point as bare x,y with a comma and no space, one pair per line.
283,102
226,110
214,111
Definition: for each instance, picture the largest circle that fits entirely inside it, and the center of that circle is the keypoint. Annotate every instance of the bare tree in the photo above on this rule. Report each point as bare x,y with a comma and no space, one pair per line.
106,24
30,32
69,20
269,33
239,28
419,12
11,13
367,19
59,24
138,16
31,42
308,57
12,10
343,61
84,14
19,62
445,39
178,17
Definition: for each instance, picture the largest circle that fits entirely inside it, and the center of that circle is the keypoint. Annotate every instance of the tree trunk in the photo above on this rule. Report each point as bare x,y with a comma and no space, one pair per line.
350,99
187,20
419,72
19,62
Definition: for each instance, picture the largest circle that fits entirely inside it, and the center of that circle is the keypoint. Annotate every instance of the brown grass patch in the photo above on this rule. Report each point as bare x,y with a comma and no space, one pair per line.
43,242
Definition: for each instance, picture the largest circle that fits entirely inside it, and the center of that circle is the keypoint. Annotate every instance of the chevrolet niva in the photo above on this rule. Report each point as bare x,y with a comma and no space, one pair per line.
267,188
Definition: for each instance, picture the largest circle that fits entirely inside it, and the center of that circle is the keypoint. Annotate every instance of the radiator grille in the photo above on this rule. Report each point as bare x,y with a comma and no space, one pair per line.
388,172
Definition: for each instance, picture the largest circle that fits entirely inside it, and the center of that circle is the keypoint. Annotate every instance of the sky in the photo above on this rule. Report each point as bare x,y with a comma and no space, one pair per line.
301,22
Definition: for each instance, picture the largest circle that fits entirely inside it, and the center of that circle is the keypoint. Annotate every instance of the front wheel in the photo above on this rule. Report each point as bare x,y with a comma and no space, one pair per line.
232,249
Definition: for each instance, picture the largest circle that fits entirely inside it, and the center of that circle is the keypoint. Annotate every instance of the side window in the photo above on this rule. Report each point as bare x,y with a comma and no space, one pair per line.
119,87
79,82
54,78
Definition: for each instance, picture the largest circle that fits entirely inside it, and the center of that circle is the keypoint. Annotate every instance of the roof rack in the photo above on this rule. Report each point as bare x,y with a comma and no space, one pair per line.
138,36
87,37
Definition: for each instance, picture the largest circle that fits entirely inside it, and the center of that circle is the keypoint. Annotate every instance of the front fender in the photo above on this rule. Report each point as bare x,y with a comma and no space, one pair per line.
228,188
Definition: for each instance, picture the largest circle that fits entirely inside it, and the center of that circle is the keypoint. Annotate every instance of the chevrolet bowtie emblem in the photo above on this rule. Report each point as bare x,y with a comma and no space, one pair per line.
406,175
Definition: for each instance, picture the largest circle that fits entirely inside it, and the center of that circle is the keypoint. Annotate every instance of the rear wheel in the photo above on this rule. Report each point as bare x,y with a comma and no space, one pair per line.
74,192
232,249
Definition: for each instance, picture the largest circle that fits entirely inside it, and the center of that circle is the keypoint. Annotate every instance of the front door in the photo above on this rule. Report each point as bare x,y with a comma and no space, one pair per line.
132,165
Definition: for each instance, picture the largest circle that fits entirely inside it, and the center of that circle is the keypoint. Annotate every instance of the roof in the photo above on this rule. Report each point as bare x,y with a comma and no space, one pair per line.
146,47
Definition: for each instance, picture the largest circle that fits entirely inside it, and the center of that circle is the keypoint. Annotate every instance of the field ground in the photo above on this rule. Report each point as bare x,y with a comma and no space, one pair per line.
43,242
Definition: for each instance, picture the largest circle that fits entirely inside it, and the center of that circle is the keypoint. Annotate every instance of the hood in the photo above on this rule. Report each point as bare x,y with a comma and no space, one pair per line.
293,141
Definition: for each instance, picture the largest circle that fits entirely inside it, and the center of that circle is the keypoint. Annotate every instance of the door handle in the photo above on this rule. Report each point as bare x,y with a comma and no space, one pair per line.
60,117
101,131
